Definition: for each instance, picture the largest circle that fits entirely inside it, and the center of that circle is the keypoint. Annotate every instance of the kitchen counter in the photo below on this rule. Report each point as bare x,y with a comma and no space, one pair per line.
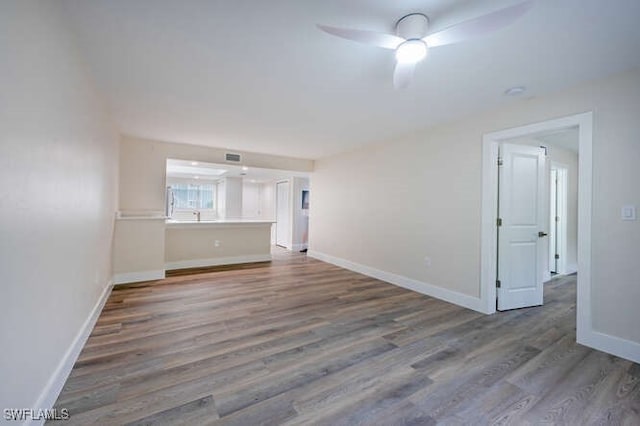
146,244
222,222
191,244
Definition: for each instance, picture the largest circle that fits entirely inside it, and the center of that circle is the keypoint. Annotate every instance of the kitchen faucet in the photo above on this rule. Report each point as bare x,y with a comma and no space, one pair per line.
197,213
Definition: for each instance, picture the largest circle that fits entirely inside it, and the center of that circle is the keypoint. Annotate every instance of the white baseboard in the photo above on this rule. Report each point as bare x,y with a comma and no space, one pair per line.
450,296
134,277
217,261
57,380
610,344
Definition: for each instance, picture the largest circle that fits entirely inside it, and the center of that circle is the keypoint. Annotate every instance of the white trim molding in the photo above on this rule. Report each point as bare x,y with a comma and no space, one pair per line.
450,296
217,261
57,380
611,344
134,277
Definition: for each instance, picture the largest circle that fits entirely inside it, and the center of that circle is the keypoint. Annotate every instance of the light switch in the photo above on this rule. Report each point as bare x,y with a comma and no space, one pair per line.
628,212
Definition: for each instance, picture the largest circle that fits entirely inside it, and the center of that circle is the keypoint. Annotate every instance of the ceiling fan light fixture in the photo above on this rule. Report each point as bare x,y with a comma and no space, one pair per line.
412,40
411,51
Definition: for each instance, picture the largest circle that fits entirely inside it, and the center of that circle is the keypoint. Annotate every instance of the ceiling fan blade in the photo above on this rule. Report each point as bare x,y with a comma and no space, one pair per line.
388,41
403,75
479,26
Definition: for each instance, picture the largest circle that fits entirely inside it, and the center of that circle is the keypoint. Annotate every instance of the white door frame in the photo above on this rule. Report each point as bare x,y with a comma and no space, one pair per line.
561,236
287,181
490,144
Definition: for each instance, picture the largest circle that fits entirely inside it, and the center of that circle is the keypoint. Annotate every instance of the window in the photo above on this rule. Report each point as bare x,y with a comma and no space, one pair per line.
189,196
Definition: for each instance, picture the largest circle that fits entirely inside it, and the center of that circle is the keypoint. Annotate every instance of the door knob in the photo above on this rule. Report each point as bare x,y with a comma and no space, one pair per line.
542,234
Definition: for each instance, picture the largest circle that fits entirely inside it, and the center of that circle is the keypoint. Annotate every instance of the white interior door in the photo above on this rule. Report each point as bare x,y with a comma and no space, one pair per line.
283,215
522,211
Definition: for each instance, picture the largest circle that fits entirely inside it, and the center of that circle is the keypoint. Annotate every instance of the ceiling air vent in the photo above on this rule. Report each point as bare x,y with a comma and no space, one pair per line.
233,158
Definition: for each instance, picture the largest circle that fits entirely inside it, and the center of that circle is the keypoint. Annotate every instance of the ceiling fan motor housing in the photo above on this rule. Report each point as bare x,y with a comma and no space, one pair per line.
412,26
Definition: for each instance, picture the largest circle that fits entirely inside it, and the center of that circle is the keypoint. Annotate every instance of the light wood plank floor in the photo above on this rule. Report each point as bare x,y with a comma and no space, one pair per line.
299,342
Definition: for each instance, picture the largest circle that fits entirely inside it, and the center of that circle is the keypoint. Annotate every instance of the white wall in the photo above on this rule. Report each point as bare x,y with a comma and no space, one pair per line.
233,198
221,199
268,205
58,168
390,205
143,168
268,200
251,194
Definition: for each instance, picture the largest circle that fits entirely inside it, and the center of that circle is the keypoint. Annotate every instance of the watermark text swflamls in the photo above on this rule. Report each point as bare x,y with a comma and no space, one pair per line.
36,414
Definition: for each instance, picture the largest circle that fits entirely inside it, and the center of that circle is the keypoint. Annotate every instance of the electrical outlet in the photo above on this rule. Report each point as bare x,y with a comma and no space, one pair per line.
427,261
216,243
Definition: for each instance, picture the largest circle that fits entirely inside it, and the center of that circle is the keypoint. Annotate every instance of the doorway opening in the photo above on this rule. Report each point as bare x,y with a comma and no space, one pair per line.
292,213
581,125
537,208
558,219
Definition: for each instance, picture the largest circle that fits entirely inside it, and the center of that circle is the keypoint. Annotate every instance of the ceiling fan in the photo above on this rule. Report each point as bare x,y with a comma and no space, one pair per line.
412,41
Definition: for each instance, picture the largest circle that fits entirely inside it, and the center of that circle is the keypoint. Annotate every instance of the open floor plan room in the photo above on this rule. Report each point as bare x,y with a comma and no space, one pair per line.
303,212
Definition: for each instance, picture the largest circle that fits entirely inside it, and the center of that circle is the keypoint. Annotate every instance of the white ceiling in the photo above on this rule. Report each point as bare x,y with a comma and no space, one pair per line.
194,169
211,171
259,76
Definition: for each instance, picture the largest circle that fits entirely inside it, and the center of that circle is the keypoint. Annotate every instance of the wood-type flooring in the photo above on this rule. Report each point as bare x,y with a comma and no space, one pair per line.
298,341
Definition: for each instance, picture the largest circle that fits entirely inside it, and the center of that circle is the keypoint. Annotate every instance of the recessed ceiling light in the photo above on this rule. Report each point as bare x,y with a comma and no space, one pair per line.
196,177
515,91
245,168
194,163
